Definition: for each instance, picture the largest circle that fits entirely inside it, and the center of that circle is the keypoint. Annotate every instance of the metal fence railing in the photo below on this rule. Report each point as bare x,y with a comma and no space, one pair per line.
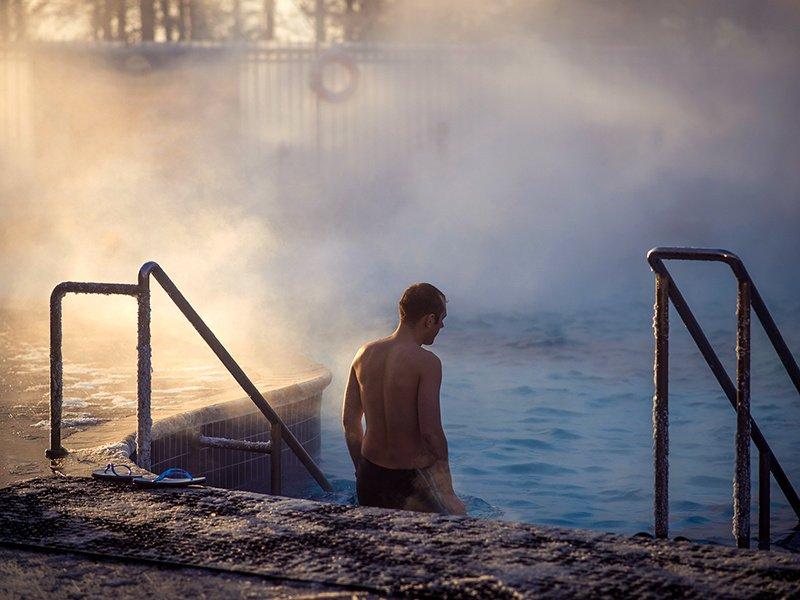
403,99
398,100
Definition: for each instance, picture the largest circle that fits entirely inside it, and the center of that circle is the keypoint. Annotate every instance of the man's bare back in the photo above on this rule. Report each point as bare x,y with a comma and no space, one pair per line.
389,373
401,460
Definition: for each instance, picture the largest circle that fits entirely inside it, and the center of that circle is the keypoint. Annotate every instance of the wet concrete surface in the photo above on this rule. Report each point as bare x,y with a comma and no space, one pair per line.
29,574
351,550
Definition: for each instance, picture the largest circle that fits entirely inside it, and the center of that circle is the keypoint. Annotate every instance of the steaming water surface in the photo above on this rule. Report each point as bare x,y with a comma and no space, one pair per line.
556,175
99,387
548,417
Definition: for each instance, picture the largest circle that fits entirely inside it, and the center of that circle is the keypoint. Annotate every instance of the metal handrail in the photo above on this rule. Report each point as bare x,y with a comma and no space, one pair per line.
56,450
141,291
739,395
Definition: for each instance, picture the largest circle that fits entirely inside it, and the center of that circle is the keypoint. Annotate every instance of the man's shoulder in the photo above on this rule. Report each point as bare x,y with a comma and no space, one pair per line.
428,359
366,349
412,355
369,346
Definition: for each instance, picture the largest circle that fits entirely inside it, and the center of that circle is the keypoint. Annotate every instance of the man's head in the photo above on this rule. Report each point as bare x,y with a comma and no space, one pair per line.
422,308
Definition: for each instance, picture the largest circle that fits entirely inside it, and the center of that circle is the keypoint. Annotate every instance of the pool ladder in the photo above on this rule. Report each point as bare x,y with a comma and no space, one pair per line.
279,432
738,395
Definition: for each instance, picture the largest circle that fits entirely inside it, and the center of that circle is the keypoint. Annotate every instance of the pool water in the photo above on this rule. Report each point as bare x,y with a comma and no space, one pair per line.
548,418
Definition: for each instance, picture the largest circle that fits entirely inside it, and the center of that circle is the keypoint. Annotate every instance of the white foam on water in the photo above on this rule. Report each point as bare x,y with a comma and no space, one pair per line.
34,354
204,378
31,368
181,390
122,401
74,403
79,369
85,385
37,387
79,420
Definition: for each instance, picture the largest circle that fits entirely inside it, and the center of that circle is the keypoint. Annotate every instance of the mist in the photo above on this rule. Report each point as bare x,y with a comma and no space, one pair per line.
544,173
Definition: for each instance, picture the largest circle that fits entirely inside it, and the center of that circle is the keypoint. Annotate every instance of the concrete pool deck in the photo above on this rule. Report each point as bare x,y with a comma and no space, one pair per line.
241,543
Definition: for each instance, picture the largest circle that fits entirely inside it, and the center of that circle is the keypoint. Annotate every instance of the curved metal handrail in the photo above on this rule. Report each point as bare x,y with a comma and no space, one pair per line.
141,290
657,255
739,395
56,450
152,268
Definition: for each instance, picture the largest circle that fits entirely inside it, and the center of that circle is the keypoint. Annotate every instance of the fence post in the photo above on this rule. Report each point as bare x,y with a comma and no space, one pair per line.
763,499
56,376
276,434
741,477
143,389
661,407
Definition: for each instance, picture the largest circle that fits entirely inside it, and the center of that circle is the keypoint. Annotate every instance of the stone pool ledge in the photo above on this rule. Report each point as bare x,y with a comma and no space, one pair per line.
359,551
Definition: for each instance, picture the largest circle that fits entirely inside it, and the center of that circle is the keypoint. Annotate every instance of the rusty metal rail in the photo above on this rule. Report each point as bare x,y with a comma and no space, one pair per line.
738,395
141,291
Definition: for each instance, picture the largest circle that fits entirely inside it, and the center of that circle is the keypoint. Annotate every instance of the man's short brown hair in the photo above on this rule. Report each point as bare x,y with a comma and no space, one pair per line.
419,300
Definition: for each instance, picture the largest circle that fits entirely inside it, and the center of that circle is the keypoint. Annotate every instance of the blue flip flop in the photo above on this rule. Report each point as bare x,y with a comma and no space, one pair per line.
114,472
170,478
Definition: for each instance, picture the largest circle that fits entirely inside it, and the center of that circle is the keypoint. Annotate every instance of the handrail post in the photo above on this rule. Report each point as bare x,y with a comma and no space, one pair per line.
661,407
275,473
763,500
741,478
56,375
144,383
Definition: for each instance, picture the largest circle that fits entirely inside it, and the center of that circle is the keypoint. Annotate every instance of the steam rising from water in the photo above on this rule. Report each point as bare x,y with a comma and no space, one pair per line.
518,176
561,168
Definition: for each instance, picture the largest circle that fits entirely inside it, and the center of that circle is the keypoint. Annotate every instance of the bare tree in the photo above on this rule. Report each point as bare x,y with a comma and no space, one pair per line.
198,19
122,20
4,21
96,19
269,19
107,19
183,20
148,16
320,30
20,20
166,19
236,30
349,19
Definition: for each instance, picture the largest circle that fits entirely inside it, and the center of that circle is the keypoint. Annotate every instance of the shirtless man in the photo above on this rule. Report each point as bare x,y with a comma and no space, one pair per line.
401,460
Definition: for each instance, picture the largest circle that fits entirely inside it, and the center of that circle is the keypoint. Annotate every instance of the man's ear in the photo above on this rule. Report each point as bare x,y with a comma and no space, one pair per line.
430,320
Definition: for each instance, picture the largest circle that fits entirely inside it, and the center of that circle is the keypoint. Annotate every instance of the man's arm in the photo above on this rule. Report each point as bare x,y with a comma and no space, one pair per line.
430,426
352,411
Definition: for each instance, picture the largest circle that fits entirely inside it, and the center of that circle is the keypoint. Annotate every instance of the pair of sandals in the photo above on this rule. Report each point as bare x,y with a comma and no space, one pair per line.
173,477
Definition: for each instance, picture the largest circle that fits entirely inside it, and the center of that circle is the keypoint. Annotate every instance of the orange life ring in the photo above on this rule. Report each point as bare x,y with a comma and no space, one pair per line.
334,56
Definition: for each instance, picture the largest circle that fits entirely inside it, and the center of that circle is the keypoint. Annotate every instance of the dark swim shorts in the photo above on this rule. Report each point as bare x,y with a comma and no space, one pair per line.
403,489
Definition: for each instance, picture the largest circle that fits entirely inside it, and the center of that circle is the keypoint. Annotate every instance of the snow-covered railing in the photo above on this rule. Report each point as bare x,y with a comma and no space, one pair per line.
141,291
738,395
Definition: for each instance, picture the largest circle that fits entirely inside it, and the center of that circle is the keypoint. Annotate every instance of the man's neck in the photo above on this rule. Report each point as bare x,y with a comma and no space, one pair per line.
404,333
